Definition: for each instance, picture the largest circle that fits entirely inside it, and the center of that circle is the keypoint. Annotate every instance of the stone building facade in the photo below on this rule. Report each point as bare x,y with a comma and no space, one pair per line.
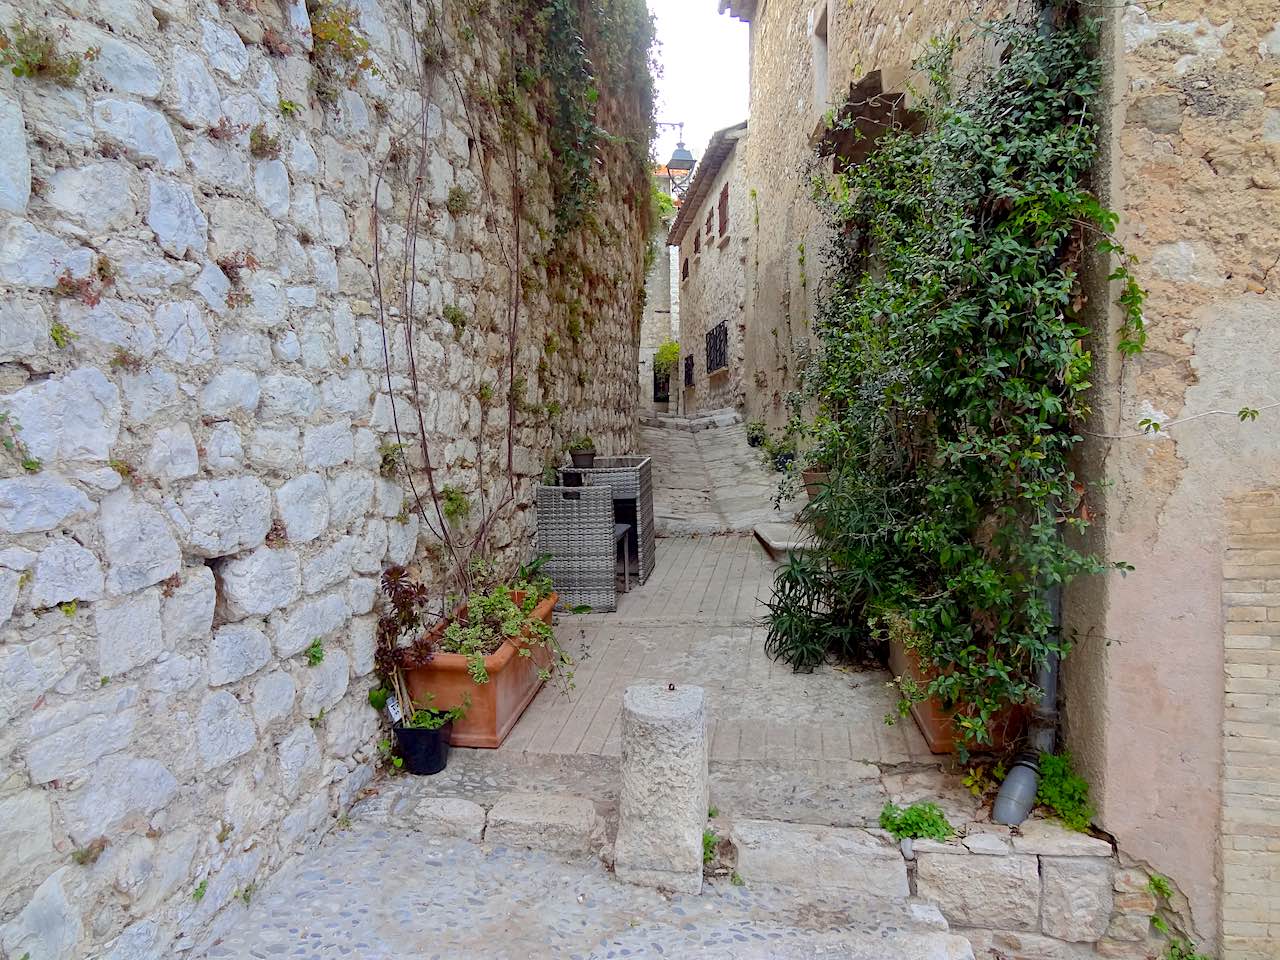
711,236
661,319
230,259
1170,695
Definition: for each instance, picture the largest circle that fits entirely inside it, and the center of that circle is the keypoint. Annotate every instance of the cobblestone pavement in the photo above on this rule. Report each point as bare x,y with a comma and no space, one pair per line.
710,481
371,893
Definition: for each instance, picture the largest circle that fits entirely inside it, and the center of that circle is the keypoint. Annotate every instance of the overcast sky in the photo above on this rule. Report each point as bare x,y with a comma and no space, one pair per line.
704,72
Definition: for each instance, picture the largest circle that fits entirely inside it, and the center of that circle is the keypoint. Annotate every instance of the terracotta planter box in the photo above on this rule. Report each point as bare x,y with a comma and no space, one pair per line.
936,723
496,705
814,481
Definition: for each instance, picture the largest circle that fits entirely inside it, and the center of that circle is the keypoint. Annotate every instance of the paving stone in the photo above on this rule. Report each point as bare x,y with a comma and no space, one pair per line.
449,817
828,859
556,823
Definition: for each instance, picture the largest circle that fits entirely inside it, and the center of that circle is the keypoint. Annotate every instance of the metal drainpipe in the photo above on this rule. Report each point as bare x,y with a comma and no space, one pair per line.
1018,792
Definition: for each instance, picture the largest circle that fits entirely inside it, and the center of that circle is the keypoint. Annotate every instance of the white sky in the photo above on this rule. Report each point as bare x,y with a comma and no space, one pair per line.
704,78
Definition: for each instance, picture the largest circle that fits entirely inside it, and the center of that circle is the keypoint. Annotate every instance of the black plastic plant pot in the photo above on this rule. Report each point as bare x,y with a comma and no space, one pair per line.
424,751
583,459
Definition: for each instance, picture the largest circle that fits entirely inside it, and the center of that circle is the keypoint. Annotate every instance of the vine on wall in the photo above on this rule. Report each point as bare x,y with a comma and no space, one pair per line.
520,68
950,380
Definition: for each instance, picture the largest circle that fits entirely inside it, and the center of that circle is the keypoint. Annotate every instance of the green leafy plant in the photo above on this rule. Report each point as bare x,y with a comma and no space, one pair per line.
457,317
390,459
713,812
499,613
582,444
61,334
709,843
13,444
922,820
89,854
757,433
666,357
32,52
458,202
1064,791
950,373
454,504
427,717
735,878
315,653
289,108
198,893
263,145
1182,950
339,51
1159,886
378,697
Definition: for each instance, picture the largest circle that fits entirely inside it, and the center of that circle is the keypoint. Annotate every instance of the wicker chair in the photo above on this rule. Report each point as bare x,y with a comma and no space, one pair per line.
575,527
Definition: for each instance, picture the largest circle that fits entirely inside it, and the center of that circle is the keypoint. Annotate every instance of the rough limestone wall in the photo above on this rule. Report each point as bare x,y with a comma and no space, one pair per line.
886,34
1162,691
208,502
656,326
715,289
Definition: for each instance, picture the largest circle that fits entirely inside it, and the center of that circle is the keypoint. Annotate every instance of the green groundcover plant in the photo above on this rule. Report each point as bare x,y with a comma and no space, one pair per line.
950,377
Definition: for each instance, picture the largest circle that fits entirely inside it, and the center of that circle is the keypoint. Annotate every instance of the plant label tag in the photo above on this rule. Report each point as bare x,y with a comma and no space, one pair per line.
393,710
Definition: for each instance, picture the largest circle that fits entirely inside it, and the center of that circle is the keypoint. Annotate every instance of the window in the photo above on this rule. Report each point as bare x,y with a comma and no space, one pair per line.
718,347
818,45
723,207
688,371
684,269
710,214
697,243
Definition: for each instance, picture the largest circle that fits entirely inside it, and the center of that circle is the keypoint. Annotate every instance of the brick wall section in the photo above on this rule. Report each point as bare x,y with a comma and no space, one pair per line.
1251,729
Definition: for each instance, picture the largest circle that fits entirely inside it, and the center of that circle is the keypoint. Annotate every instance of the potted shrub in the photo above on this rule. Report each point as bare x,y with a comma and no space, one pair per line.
820,456
937,720
582,451
423,736
491,654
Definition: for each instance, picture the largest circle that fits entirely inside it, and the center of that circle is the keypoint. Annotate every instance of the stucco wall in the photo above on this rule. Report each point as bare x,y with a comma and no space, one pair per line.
715,290
1191,167
208,501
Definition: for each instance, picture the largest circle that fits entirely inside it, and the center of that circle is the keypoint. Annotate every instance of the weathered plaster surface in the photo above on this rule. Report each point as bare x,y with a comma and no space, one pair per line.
210,501
1193,171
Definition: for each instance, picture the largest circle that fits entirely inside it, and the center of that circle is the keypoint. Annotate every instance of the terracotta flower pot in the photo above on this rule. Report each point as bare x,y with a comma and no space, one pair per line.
496,705
936,723
814,481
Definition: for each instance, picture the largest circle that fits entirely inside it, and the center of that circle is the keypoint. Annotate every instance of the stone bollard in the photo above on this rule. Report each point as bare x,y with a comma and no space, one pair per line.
664,787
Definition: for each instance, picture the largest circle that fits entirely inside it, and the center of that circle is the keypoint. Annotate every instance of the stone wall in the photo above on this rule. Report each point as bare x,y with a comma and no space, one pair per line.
784,267
198,490
1153,696
714,290
661,306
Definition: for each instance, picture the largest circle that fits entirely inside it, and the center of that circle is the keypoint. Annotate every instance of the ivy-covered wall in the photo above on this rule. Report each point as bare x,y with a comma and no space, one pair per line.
259,261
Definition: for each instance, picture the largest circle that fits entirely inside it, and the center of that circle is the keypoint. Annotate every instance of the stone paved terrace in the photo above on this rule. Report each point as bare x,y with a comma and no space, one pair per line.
708,480
697,621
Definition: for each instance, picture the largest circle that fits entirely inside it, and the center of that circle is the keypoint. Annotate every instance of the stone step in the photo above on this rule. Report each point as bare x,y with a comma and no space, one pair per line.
836,860
710,420
781,538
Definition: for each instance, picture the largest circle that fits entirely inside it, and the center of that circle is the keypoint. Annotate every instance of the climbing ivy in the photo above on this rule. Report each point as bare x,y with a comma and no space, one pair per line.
951,378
